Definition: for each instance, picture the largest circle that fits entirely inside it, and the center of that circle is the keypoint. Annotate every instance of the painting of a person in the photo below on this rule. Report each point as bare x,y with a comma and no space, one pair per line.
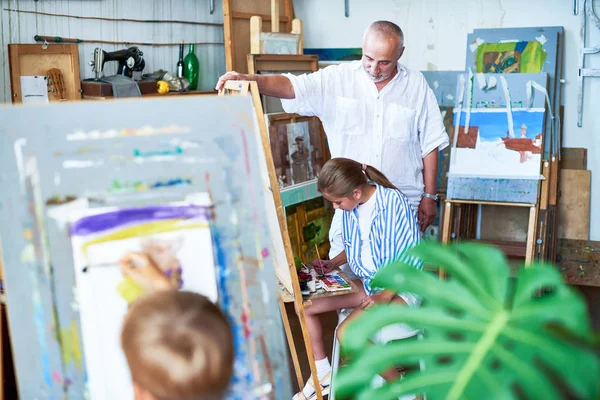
300,161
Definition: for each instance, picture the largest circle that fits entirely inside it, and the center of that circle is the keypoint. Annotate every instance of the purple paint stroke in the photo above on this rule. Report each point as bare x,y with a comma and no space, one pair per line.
126,216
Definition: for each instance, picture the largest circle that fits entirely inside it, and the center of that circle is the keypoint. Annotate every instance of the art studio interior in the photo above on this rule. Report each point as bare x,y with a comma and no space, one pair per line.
299,199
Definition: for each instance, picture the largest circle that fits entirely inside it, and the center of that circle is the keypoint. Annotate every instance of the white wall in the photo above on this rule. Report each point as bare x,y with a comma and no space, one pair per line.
435,35
21,28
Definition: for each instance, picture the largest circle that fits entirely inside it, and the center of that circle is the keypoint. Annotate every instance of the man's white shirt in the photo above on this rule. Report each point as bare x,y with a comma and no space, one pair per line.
392,130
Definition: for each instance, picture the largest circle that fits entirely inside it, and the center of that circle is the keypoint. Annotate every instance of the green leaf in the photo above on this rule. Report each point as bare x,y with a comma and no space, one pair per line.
480,340
448,259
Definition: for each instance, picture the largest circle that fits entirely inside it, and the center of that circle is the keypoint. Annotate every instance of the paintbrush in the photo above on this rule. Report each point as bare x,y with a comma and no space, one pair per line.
319,258
106,264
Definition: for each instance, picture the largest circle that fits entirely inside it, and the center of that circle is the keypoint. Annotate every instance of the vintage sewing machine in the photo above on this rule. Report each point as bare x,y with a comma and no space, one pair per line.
131,62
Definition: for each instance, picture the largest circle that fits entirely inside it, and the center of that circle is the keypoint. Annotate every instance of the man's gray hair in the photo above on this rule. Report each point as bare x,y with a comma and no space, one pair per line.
386,28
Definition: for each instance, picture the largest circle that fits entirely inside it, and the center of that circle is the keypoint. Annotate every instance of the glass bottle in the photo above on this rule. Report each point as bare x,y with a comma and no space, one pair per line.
192,68
180,62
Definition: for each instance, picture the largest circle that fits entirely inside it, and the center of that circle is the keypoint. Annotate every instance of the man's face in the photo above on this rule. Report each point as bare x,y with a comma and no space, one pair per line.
380,56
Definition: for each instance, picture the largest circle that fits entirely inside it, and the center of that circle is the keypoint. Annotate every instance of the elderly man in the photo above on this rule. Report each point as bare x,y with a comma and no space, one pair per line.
375,111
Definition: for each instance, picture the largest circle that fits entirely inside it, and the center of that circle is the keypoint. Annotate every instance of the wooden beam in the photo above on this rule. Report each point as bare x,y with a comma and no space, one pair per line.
275,15
264,17
489,203
227,35
291,343
511,249
529,255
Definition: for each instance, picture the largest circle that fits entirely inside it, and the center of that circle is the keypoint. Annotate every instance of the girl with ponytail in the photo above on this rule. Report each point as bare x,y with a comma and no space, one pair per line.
378,225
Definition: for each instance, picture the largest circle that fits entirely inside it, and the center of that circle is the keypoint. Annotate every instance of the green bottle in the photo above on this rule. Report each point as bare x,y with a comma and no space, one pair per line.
191,68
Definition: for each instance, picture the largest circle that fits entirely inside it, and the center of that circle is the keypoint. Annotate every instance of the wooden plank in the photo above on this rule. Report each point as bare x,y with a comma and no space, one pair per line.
529,255
579,261
554,181
545,184
298,30
255,30
290,340
573,158
254,7
264,17
447,222
511,249
288,11
491,203
574,205
282,62
227,35
542,239
274,15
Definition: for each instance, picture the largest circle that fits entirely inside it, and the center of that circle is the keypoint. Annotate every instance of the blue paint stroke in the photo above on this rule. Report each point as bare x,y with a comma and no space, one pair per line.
176,151
110,220
38,312
140,186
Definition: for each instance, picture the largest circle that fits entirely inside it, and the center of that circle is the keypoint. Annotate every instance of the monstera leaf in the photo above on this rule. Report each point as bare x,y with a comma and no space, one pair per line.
485,335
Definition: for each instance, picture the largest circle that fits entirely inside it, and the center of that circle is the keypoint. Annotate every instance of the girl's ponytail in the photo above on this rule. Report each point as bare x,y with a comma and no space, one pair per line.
340,176
376,176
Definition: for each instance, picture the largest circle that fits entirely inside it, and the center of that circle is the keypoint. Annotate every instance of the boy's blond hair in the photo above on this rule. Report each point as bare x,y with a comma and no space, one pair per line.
178,345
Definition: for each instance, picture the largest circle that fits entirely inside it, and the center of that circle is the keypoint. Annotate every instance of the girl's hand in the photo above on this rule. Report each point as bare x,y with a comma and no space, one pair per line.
377,298
141,268
322,266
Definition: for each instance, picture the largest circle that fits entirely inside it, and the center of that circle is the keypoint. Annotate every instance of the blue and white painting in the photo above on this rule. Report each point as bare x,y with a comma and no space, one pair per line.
499,126
497,152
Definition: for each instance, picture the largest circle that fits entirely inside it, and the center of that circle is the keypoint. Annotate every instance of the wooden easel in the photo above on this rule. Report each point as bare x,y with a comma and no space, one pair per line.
459,217
245,88
257,35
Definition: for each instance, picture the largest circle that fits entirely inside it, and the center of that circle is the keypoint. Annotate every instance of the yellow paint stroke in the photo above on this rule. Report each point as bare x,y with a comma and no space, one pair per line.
71,346
147,229
130,290
259,255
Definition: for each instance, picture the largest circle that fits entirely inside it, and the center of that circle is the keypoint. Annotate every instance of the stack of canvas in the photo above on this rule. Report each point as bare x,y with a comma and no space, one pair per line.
506,114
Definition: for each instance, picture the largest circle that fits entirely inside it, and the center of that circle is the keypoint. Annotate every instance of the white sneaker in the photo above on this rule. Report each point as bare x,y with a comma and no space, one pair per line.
309,387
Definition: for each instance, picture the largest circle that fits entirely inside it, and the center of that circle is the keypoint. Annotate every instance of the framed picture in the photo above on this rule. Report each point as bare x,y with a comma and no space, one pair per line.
299,147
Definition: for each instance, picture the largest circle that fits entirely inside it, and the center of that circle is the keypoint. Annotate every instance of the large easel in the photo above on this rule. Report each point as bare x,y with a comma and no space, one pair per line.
251,89
459,218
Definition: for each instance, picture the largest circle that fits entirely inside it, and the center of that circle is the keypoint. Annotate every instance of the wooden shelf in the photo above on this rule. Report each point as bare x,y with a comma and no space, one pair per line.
299,193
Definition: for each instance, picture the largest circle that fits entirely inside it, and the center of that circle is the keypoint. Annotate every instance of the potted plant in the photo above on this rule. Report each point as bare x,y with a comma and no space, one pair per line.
485,335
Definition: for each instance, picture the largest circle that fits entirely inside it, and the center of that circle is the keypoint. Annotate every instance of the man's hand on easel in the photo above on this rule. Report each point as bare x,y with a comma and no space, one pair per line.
323,266
229,76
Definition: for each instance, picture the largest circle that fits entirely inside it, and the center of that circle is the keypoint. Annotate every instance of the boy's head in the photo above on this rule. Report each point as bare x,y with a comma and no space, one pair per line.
178,345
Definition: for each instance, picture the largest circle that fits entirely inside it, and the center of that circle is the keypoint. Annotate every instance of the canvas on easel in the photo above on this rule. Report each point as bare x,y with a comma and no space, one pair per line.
186,184
499,127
